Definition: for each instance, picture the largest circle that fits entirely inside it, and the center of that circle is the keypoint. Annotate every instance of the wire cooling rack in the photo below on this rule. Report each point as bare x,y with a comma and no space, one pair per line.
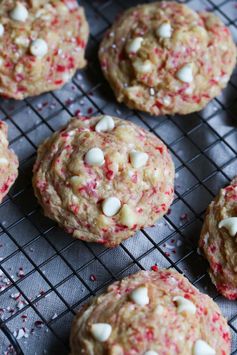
45,275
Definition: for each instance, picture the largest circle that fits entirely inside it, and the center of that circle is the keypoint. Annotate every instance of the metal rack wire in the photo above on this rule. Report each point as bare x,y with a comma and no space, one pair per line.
45,275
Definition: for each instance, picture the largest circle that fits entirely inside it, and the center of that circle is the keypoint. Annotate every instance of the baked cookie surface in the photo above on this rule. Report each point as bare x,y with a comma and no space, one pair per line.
164,58
151,313
218,240
8,163
103,178
42,44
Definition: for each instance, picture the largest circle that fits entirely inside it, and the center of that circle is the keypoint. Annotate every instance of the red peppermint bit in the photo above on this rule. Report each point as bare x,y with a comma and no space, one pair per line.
19,77
74,208
217,268
156,209
226,337
60,68
93,277
158,104
71,63
154,268
4,188
184,217
89,188
169,212
9,65
55,22
213,82
121,56
215,317
22,89
80,42
68,102
77,112
212,248
21,272
39,324
160,149
149,334
90,110
120,228
58,82
134,178
24,317
163,206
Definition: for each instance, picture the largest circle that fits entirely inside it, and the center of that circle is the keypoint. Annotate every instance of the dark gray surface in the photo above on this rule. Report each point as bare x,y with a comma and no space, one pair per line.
57,268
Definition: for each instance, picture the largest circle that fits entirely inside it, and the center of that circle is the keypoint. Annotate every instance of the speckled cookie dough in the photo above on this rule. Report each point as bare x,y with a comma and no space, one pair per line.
151,313
218,240
42,44
8,163
164,58
103,178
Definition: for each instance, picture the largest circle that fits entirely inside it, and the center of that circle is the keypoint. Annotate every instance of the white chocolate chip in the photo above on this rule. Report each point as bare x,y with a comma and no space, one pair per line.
127,216
39,48
101,331
164,30
184,305
2,30
142,67
105,124
151,352
134,45
22,41
111,206
3,161
140,296
202,348
19,13
95,157
152,92
166,100
138,159
159,309
230,224
185,74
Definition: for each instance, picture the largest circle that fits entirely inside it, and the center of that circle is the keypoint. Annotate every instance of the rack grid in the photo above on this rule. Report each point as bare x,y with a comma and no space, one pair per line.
45,275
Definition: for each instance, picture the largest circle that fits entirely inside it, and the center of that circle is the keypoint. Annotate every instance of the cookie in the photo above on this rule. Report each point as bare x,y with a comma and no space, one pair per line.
103,178
8,163
151,313
164,58
218,240
42,44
